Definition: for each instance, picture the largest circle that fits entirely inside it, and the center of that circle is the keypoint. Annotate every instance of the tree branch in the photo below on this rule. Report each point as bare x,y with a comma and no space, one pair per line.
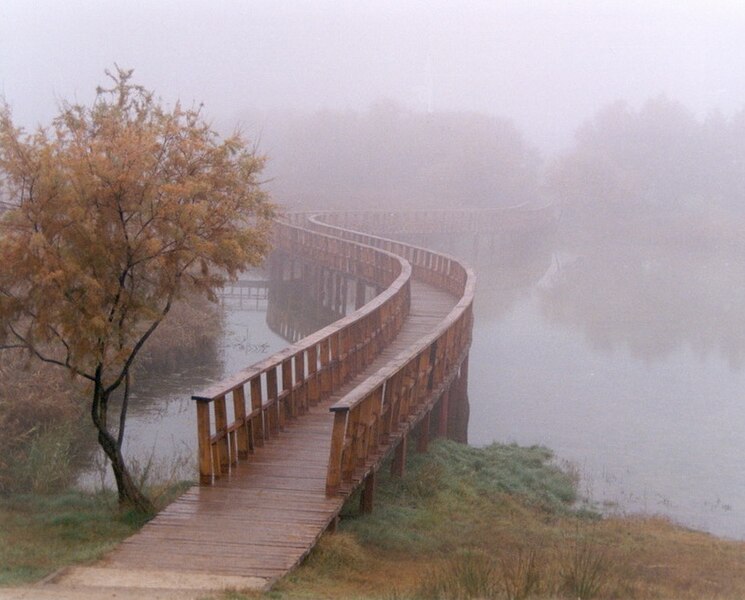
138,346
53,361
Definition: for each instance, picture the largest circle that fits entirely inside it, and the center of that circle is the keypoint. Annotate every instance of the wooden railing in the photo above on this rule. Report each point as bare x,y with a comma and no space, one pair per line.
453,221
377,415
238,414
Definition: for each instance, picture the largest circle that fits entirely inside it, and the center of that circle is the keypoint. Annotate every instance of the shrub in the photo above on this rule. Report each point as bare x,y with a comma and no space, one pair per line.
520,573
189,332
39,417
582,568
42,416
468,574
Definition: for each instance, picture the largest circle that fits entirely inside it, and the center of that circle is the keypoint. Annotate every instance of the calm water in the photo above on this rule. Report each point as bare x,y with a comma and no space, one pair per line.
626,361
161,426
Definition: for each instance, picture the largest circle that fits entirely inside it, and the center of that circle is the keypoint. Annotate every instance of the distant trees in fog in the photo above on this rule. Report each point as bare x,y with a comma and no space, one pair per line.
659,159
626,163
393,157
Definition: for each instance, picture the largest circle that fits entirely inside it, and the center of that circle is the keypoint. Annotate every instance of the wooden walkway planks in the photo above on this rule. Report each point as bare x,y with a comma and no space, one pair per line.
263,519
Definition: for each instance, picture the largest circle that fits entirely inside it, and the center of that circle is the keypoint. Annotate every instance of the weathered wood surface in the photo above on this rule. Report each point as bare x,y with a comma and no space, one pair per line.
238,414
265,516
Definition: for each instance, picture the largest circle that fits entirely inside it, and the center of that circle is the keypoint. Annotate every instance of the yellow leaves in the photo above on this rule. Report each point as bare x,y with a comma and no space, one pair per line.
120,200
97,325
152,247
37,242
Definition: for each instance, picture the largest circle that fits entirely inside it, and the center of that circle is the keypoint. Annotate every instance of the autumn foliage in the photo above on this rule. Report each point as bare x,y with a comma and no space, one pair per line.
116,211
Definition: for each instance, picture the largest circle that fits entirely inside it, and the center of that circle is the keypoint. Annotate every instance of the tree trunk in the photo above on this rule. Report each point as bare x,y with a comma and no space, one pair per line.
129,493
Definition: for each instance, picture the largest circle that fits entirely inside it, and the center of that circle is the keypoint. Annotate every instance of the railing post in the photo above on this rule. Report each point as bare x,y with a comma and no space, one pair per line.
314,385
258,426
335,361
326,375
244,432
338,435
287,407
203,439
221,432
300,389
273,409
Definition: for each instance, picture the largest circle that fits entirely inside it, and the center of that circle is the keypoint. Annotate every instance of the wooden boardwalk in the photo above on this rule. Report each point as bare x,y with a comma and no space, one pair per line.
254,525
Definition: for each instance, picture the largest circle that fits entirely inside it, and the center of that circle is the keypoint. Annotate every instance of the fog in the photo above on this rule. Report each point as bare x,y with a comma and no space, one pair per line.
546,65
607,340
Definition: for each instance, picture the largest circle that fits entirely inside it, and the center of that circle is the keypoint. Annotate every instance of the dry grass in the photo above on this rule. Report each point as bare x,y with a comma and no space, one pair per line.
43,411
466,539
40,411
191,328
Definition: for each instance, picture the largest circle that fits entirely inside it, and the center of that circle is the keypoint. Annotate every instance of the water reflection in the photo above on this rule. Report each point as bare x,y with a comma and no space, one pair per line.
626,360
652,301
305,297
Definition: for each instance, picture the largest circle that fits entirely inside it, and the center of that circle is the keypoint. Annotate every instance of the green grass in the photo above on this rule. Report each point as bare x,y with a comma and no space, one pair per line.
496,522
504,522
433,506
41,533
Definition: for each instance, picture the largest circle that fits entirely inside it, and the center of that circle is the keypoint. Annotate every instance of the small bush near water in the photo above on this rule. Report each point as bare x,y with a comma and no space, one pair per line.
188,333
44,413
40,416
469,574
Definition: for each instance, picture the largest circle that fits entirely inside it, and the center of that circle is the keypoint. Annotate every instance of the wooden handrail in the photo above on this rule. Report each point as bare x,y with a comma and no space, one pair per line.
386,405
471,221
239,413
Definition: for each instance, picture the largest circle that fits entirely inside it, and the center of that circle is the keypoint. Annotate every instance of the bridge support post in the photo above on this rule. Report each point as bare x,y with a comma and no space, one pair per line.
442,422
459,408
359,294
343,294
205,448
398,466
368,494
422,442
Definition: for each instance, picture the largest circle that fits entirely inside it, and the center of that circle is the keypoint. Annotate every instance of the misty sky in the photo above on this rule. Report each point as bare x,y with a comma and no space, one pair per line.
548,65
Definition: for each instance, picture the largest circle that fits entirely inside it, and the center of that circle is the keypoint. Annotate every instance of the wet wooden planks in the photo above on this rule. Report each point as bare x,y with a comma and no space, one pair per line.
263,519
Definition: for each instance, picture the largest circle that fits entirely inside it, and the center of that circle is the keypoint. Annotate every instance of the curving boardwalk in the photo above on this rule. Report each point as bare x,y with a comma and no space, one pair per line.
262,520
284,442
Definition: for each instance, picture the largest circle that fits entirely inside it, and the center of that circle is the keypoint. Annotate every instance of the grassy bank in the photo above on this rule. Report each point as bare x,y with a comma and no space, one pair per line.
42,533
39,534
504,522
496,522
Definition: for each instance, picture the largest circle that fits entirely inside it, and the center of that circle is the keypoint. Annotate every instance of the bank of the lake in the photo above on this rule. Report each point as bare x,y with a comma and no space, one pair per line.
463,522
40,533
625,354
